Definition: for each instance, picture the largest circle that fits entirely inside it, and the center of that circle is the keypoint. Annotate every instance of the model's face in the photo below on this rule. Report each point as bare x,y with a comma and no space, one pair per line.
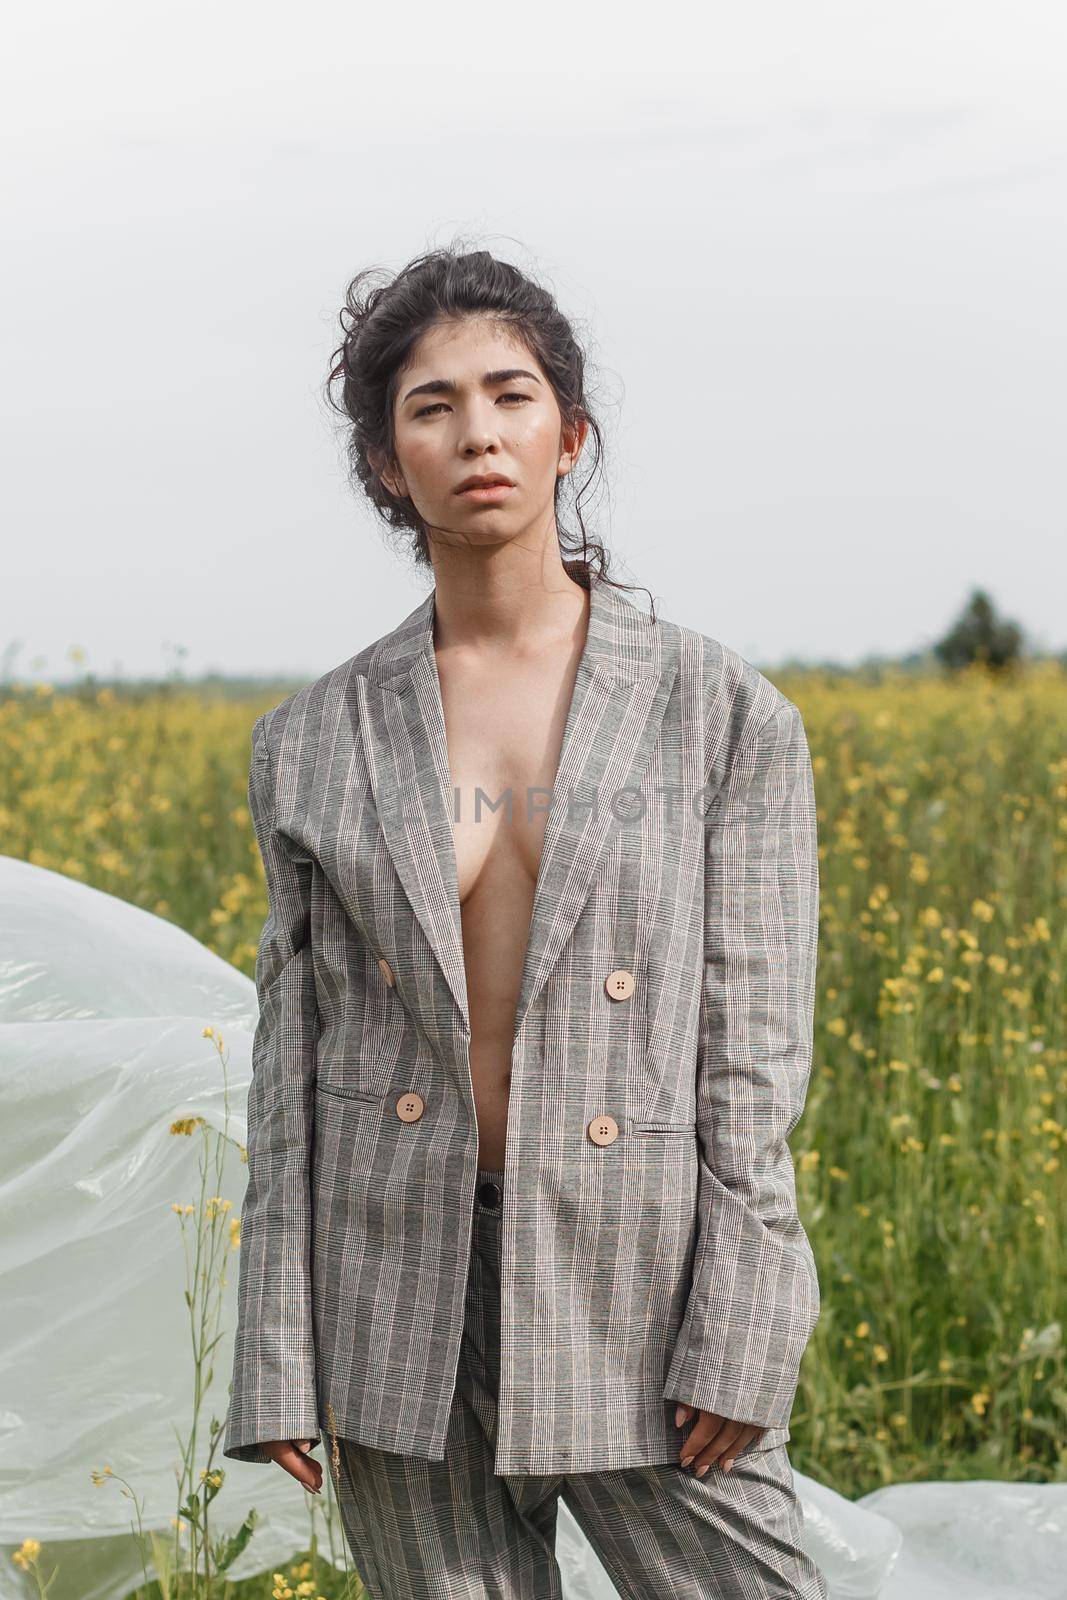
472,403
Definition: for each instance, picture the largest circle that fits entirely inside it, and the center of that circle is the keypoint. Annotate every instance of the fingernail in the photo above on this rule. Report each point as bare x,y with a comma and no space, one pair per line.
701,1470
728,1465
686,1460
679,1415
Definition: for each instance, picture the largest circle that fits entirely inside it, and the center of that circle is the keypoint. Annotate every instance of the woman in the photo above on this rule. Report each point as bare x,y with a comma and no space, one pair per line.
536,993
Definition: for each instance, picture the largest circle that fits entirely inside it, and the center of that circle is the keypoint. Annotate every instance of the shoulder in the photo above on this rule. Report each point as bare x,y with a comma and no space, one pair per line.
301,714
738,700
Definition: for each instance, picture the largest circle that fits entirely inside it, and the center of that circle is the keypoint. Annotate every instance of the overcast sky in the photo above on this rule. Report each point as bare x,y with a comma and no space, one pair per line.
817,253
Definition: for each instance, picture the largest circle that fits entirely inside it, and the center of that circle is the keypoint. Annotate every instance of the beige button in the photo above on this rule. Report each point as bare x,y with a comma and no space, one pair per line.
387,971
619,984
409,1107
603,1130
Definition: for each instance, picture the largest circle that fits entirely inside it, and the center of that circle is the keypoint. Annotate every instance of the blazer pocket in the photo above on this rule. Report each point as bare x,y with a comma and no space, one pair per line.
663,1127
349,1094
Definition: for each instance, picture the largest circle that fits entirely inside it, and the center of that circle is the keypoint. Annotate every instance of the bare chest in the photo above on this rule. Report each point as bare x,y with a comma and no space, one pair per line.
504,735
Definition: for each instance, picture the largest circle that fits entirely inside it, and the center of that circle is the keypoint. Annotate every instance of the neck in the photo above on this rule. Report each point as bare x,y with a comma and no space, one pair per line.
500,600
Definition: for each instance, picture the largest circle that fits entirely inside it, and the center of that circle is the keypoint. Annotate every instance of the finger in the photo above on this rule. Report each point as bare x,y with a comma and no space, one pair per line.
310,1468
301,1467
705,1431
720,1446
308,1471
742,1443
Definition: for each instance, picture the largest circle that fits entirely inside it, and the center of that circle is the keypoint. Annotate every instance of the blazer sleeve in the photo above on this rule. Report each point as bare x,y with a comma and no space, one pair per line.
754,1299
273,1390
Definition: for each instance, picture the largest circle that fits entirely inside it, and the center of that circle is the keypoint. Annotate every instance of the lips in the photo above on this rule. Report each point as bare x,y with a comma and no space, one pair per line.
493,481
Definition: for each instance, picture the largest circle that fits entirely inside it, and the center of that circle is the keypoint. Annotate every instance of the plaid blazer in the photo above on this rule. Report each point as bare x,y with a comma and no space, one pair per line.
651,1247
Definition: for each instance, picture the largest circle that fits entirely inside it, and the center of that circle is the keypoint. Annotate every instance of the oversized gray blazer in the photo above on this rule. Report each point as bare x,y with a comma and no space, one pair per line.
663,1261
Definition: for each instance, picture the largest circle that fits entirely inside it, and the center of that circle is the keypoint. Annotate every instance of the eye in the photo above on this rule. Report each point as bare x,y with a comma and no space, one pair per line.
426,411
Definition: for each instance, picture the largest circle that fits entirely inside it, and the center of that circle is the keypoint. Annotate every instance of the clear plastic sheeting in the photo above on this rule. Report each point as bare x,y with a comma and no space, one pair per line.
102,1015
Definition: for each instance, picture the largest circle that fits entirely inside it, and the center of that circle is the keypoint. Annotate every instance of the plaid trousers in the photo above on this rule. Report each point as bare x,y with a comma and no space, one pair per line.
456,1530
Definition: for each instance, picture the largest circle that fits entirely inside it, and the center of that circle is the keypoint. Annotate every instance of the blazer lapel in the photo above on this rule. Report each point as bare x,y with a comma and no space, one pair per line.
624,677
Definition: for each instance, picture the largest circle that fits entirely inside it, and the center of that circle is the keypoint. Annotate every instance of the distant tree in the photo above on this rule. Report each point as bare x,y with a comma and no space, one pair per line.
980,635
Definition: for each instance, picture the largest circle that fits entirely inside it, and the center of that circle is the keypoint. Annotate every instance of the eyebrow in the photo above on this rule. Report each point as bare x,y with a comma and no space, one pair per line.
448,386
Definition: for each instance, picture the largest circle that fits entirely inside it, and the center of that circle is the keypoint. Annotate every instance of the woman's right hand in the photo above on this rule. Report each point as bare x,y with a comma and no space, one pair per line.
292,1454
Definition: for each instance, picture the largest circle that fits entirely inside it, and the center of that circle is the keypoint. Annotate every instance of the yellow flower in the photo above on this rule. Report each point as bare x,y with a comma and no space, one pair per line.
187,1125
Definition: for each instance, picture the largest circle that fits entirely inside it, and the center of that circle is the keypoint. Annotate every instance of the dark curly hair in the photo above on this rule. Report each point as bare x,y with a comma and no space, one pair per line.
383,321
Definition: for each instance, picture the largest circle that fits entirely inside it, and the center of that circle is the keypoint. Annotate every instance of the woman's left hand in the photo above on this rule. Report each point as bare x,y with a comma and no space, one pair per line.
713,1438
